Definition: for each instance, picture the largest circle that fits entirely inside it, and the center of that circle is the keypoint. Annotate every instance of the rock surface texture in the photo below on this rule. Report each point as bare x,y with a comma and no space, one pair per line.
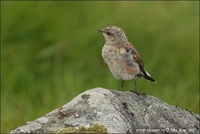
111,111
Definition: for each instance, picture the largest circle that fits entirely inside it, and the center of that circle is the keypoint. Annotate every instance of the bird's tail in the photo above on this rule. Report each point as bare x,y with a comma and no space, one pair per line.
146,75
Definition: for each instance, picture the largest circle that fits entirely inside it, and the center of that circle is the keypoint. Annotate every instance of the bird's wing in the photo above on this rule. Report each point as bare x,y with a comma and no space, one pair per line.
136,58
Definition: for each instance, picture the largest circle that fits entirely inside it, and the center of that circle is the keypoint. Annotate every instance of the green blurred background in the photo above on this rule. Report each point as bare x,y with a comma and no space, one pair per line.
51,52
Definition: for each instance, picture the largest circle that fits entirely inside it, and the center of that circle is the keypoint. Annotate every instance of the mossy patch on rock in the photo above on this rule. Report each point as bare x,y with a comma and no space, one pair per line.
95,128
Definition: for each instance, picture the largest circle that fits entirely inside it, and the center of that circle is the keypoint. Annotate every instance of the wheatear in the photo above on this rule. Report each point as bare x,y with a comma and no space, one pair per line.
121,56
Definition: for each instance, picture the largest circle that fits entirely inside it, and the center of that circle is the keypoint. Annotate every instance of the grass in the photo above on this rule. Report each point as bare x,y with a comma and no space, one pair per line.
51,52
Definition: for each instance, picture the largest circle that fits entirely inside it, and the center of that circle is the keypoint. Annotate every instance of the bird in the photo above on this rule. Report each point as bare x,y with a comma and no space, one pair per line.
121,56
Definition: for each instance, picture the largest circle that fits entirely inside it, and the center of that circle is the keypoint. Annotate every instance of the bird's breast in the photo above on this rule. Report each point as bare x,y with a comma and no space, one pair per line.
120,62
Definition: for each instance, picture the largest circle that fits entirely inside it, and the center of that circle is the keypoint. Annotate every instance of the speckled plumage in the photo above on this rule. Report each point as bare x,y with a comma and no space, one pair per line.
121,56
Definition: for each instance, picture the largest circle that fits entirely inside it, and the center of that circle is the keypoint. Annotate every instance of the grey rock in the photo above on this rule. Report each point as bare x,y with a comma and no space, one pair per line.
118,112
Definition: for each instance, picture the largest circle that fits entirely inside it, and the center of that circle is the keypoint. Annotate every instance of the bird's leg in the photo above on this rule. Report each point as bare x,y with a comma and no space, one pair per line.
122,85
135,84
134,90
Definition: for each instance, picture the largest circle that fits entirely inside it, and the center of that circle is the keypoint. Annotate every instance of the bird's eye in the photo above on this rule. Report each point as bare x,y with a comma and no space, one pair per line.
108,33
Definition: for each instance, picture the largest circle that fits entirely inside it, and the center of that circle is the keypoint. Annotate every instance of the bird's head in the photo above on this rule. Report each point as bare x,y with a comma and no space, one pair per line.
113,34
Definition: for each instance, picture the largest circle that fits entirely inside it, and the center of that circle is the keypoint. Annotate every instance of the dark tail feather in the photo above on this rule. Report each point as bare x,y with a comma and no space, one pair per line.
146,75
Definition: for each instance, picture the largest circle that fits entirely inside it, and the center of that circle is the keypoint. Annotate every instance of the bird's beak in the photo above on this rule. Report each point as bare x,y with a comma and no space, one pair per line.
100,30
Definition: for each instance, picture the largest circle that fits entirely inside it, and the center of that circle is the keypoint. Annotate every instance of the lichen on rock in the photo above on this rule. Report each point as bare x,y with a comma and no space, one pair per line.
95,128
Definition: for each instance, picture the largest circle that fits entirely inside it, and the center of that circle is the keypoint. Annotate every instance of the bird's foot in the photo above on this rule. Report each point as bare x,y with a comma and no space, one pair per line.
138,93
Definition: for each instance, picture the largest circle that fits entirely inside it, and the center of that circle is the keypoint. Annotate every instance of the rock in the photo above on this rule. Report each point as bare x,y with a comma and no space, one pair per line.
109,111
